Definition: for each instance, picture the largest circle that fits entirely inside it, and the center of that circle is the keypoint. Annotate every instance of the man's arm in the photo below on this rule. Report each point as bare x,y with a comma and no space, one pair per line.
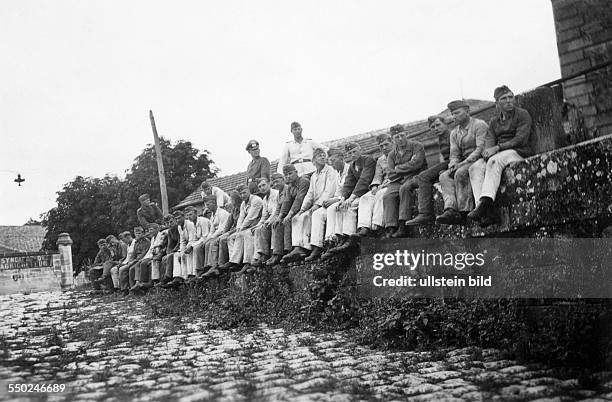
141,218
455,151
332,182
378,174
480,134
306,201
349,182
284,159
415,164
254,213
523,130
141,248
265,168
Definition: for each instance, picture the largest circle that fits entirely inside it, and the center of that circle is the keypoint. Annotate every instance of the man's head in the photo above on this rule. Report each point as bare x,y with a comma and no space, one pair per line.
253,148
236,199
278,181
169,220
191,213
138,232
153,230
244,192
460,111
504,99
263,184
211,203
144,200
111,240
319,158
101,244
399,136
353,151
126,237
384,143
291,174
296,130
437,124
336,158
179,217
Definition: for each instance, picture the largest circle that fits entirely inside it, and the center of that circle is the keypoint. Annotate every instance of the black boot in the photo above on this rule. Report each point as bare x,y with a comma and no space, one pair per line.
481,210
402,230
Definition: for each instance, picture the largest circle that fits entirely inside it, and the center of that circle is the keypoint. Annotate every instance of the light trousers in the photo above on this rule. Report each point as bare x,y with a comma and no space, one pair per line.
457,190
300,230
370,210
263,237
241,246
345,220
486,176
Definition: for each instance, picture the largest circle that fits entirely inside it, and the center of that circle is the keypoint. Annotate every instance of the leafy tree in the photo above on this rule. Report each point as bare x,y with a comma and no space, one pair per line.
91,208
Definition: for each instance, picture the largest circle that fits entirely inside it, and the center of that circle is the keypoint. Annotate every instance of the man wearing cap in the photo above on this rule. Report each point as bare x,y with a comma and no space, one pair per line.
218,218
370,211
103,255
308,225
230,228
196,229
406,160
344,212
148,212
240,243
258,167
118,250
338,160
298,152
127,271
128,240
467,142
295,189
262,230
142,270
507,142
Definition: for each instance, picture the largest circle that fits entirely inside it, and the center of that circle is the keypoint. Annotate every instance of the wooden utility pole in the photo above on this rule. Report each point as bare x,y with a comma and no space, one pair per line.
160,166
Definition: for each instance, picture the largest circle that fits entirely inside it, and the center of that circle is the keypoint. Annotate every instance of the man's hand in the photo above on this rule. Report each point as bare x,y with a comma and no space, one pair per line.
188,249
329,202
452,170
374,189
275,222
346,204
314,208
489,152
287,220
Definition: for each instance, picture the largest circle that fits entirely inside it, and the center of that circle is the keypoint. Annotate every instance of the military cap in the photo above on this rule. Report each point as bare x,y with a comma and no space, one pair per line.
382,138
456,104
295,124
350,145
109,238
398,128
241,187
144,197
126,233
500,91
167,217
191,209
101,241
178,214
335,151
252,145
290,168
435,117
138,228
319,151
277,175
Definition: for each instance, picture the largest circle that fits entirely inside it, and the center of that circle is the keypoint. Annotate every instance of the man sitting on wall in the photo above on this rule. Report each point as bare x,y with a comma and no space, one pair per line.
218,219
118,250
370,211
195,230
230,229
240,243
338,160
223,199
127,272
142,270
344,212
467,141
405,161
129,241
308,225
507,141
172,247
262,230
97,269
425,180
148,212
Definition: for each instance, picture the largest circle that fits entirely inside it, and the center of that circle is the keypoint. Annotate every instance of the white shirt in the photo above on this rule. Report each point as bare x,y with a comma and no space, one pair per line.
322,187
218,222
130,251
294,152
341,179
269,208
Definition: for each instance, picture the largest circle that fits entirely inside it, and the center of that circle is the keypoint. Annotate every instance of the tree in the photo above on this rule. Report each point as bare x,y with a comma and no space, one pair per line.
92,208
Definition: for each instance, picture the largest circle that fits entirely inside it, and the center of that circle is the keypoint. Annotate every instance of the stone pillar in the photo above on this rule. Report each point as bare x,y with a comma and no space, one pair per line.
545,111
64,244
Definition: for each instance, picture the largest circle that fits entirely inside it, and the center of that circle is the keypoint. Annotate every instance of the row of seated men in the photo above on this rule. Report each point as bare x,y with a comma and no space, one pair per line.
348,195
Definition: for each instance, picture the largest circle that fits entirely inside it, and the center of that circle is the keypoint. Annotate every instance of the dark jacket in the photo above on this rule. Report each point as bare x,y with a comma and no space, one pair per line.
119,251
141,247
172,240
512,133
102,256
359,176
293,196
407,164
148,215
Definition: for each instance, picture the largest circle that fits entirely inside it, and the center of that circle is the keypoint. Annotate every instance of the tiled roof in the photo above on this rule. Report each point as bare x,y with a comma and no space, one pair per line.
21,238
417,130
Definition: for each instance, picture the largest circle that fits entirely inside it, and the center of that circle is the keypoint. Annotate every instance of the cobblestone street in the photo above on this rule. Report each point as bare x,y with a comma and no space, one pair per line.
106,348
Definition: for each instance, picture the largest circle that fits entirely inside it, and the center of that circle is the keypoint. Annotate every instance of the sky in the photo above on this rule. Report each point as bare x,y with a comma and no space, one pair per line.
79,77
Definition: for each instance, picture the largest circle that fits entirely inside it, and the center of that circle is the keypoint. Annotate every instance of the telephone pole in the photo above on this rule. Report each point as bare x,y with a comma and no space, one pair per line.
160,166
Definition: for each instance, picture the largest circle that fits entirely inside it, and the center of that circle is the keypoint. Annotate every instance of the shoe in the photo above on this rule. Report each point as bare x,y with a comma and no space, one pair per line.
227,265
294,255
327,255
402,231
389,232
251,269
349,244
481,210
363,232
211,272
236,268
316,253
244,269
450,217
135,287
420,219
491,218
273,261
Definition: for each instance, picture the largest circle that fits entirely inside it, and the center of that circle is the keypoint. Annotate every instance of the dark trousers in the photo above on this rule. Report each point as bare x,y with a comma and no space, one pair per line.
424,182
167,265
281,239
142,270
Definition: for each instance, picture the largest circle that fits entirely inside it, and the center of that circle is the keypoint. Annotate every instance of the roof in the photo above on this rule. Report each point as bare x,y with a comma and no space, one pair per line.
417,130
21,239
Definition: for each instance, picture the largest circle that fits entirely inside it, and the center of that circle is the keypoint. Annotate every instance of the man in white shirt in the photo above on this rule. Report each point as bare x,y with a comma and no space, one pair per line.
223,199
195,230
263,229
241,242
218,219
142,270
298,152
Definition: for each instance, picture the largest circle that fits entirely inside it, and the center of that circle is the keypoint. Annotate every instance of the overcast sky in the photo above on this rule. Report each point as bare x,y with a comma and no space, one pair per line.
78,77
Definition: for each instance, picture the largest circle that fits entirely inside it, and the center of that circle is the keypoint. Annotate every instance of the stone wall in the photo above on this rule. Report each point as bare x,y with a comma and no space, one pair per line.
584,40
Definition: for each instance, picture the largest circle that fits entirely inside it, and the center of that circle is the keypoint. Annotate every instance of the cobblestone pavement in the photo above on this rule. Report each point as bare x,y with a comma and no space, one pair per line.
107,349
